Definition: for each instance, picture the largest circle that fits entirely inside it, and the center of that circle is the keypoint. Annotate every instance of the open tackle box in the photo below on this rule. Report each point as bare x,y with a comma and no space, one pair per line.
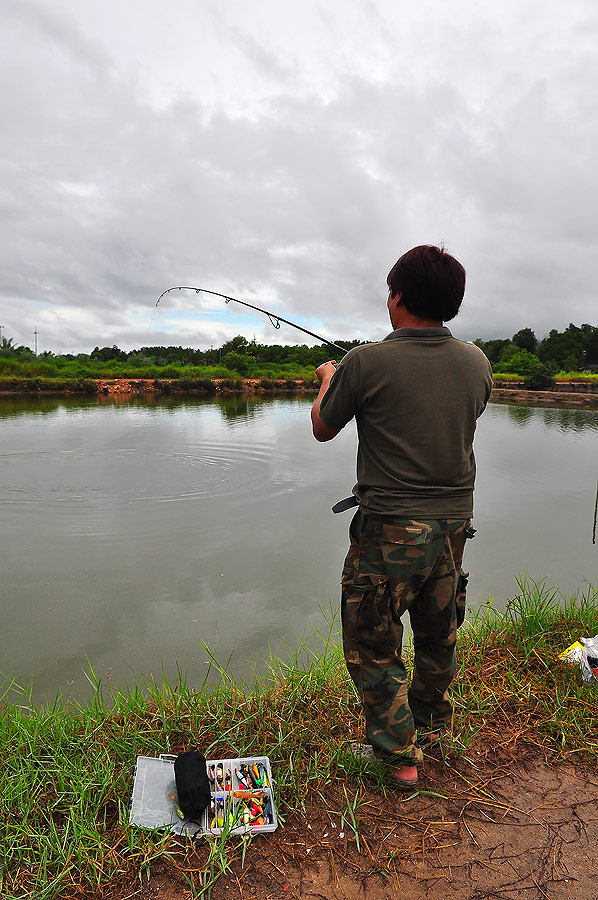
238,805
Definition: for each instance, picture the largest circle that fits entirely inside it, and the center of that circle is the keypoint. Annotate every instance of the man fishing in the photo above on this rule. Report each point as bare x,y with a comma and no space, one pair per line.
415,397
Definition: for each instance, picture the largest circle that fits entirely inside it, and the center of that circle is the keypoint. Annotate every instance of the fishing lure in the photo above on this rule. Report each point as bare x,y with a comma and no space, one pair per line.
217,813
243,781
178,809
267,809
246,772
252,812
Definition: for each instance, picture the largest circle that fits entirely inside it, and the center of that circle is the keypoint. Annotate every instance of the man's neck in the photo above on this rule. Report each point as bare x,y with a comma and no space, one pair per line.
400,316
404,319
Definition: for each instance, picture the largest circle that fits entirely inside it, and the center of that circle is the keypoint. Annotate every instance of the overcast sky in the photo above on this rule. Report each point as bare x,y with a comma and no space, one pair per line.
287,154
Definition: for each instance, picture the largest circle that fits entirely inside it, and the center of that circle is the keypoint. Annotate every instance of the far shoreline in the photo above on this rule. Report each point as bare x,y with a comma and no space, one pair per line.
571,394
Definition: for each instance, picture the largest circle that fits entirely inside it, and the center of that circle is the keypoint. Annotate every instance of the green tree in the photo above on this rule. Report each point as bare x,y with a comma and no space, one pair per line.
238,344
560,347
8,348
494,348
139,359
521,362
589,337
525,339
506,356
106,353
236,363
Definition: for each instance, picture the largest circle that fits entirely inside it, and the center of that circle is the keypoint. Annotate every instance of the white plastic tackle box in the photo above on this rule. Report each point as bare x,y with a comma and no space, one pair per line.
232,807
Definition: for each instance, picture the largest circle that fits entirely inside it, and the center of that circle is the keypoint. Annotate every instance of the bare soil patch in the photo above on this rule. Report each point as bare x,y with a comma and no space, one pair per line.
501,822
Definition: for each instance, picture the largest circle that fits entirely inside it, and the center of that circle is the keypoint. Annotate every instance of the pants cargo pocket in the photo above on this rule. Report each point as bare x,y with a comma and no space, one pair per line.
365,610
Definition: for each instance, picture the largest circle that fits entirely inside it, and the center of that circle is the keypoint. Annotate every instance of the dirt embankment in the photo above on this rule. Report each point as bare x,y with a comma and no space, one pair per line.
576,394
582,394
570,393
120,387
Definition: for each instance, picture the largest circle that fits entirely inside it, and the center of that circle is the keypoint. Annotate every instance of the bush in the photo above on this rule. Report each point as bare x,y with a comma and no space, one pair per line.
539,378
234,362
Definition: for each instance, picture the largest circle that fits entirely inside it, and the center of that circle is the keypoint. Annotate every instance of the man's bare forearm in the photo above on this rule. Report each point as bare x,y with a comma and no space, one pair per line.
323,432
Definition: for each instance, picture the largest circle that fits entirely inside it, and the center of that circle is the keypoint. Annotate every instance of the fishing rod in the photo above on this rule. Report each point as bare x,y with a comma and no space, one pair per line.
275,320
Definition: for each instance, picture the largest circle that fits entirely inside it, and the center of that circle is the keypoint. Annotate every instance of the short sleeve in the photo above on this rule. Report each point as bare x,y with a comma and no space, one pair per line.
339,404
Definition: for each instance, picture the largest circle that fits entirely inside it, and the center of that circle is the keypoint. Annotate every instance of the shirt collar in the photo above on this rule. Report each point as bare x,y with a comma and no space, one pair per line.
408,331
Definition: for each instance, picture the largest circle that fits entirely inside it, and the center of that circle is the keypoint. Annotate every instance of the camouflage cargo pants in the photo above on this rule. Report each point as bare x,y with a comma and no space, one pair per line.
398,565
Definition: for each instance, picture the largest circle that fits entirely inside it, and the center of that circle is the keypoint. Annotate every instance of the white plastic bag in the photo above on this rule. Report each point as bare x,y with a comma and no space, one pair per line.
589,659
584,652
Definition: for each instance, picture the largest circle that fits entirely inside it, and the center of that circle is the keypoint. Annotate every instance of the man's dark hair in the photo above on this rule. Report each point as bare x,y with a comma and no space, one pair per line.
431,281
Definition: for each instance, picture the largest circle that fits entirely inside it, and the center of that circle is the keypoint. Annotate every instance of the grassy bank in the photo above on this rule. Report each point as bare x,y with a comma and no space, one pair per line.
86,376
66,772
34,375
560,377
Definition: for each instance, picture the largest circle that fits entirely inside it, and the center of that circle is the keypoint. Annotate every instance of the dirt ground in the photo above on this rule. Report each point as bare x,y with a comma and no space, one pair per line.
502,823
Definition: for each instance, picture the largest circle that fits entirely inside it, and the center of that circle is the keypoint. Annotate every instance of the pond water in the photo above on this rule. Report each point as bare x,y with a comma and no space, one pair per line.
132,532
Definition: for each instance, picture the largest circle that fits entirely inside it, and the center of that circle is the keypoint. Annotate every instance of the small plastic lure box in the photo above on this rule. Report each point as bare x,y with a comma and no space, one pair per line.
234,807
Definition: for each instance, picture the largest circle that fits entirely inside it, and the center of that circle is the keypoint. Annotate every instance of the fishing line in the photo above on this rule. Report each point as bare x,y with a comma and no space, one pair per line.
595,516
275,319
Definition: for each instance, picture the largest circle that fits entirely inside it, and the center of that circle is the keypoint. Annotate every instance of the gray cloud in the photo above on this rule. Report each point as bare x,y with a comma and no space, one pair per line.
305,199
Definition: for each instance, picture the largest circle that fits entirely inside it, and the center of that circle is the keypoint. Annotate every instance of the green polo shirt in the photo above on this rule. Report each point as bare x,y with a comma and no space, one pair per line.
416,397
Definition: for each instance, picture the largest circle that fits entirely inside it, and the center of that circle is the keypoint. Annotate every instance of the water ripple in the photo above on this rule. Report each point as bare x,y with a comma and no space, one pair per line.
125,475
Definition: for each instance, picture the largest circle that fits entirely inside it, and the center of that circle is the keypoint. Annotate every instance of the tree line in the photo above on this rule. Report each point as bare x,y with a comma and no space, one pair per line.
573,350
237,355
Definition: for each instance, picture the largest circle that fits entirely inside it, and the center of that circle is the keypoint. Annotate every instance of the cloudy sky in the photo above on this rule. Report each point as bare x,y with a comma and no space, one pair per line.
287,154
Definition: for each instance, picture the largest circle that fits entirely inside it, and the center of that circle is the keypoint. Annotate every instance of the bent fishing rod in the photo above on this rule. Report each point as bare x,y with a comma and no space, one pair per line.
275,320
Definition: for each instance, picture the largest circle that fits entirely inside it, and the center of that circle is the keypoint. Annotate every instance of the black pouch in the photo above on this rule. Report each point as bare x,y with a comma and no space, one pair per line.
461,598
192,785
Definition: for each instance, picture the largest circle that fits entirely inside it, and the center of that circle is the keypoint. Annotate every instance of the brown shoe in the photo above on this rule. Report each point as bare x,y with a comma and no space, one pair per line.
403,778
427,738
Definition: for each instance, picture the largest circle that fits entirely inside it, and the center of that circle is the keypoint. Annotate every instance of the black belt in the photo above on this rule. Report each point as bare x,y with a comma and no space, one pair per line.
347,503
352,501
